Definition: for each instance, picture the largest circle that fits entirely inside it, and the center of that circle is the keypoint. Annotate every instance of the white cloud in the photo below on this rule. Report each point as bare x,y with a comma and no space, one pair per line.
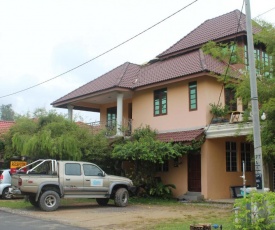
42,39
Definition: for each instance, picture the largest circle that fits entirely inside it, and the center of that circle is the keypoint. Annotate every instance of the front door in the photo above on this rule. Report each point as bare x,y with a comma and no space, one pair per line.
194,172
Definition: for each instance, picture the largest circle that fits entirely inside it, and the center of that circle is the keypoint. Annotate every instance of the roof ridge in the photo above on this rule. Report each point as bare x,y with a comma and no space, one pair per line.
240,25
125,69
202,60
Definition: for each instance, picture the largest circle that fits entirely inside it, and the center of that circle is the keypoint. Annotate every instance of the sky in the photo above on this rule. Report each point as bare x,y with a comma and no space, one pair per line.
41,39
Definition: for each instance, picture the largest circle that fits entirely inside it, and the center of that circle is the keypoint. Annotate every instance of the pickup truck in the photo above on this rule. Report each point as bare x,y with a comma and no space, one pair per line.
46,181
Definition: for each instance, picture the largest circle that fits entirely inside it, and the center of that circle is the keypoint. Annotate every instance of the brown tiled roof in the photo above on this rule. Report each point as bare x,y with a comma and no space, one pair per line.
181,136
132,76
106,81
5,126
212,29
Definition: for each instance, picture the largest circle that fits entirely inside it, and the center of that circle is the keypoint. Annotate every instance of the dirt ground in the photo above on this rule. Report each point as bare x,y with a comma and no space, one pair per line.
92,216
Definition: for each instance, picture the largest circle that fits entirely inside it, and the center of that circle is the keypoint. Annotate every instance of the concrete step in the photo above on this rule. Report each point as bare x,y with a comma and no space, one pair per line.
191,196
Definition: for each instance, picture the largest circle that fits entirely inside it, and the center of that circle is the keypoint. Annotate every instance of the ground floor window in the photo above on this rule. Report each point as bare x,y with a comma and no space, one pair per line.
163,167
246,150
231,156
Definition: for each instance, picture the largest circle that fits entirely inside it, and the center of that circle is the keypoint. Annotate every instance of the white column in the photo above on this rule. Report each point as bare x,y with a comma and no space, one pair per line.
119,114
70,112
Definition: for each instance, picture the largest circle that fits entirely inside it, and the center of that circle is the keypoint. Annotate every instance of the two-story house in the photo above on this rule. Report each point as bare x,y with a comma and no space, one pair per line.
172,94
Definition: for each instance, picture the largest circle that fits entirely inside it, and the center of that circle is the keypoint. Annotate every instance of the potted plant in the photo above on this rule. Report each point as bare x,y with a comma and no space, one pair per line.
219,112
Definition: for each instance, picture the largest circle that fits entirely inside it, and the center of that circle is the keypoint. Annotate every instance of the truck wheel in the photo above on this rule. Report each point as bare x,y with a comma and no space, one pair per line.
5,194
121,197
49,201
33,201
102,201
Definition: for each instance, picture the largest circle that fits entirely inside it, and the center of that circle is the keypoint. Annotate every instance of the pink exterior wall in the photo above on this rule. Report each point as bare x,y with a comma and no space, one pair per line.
178,114
103,109
176,176
216,182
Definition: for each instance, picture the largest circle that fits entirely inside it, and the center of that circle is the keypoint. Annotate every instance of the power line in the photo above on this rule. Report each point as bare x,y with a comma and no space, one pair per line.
70,70
265,12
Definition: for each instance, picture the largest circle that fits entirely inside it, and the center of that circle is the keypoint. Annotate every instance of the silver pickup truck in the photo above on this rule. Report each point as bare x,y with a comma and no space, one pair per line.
48,180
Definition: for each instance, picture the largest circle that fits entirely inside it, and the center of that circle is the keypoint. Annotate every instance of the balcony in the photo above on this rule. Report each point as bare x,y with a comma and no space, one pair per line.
110,127
228,129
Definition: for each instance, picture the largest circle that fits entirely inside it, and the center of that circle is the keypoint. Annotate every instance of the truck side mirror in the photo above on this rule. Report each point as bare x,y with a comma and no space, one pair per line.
101,174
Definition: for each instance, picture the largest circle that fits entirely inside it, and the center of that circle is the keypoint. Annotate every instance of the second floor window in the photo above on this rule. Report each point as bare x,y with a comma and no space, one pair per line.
193,95
231,156
160,102
230,99
263,61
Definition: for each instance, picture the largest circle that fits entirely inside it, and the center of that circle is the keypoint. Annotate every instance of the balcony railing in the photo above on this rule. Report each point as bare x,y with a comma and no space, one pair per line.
110,127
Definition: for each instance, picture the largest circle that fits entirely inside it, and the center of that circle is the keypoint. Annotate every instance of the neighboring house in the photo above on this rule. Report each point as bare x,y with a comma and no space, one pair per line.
172,93
4,127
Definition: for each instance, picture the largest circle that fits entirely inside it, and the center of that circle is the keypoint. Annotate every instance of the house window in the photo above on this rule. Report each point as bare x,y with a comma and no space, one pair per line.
264,62
246,150
231,156
163,167
193,95
111,116
160,102
230,99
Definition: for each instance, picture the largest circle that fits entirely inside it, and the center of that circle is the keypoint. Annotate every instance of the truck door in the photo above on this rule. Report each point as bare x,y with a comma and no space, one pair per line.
73,179
94,181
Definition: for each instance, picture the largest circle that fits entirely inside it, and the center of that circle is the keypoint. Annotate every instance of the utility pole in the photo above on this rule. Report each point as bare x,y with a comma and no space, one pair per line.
254,102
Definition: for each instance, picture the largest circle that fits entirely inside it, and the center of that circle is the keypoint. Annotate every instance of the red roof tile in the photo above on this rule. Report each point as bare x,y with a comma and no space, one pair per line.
181,136
5,126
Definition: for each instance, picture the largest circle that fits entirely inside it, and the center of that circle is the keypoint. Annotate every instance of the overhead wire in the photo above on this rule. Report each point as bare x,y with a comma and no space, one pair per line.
109,50
113,48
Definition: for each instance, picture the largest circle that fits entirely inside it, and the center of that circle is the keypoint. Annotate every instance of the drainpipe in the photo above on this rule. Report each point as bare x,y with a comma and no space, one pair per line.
119,114
70,112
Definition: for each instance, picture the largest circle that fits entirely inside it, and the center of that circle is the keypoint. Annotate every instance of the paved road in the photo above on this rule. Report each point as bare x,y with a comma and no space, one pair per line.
12,221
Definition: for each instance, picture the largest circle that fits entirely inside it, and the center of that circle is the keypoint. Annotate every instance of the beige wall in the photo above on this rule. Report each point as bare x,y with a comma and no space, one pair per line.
216,181
176,176
103,109
178,114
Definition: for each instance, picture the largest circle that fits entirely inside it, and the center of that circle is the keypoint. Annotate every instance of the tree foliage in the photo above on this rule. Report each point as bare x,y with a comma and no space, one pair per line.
50,135
7,113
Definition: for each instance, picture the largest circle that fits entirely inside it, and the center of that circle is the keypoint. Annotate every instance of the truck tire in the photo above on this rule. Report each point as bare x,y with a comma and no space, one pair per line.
5,194
102,201
33,201
49,201
121,197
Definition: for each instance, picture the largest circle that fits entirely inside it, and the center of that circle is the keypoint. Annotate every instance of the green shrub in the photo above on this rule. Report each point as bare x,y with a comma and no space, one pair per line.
162,190
256,211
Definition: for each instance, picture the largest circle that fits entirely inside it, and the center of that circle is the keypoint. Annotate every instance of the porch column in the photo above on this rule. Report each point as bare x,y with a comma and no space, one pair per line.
70,112
119,114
